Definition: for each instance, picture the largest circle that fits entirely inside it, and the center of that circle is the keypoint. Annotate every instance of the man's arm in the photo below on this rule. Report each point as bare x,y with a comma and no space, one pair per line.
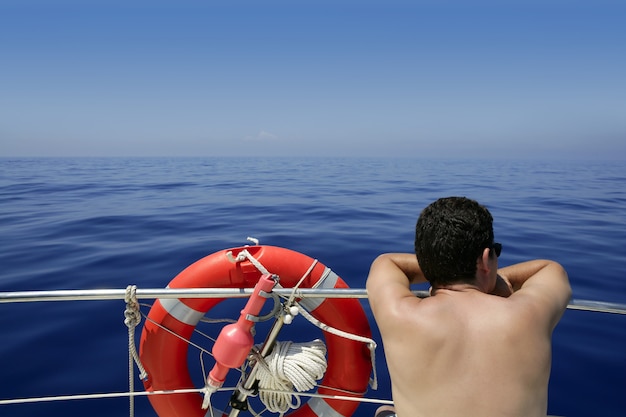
405,263
503,287
390,277
540,283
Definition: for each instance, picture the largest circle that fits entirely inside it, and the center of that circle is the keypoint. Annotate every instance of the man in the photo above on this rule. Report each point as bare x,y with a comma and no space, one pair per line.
480,345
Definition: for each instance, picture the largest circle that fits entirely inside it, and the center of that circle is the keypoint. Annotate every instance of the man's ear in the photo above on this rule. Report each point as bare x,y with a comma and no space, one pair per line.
482,263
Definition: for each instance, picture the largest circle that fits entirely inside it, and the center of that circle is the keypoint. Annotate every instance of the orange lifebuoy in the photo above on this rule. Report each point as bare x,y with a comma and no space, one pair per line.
164,355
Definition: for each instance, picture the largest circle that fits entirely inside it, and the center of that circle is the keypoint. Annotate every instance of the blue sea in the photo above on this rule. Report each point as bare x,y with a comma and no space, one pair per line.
92,223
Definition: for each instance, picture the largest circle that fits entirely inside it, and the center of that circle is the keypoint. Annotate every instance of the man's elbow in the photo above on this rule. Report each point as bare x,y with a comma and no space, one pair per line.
559,272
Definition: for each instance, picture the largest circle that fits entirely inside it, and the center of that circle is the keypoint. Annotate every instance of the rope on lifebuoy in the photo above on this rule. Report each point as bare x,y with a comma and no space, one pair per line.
371,344
243,255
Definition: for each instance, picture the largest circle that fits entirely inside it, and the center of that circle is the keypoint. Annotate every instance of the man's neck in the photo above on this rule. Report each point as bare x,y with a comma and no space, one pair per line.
458,287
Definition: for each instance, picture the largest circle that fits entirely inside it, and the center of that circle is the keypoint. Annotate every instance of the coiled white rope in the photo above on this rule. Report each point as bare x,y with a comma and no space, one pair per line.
290,366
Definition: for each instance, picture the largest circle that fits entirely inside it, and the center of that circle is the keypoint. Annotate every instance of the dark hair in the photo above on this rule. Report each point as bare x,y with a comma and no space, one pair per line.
450,235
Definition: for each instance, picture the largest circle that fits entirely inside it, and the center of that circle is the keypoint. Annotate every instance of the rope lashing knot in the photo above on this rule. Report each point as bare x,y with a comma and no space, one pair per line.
290,366
132,318
132,314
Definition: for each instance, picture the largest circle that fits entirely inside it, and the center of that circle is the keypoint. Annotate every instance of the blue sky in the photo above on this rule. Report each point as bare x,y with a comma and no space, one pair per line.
320,78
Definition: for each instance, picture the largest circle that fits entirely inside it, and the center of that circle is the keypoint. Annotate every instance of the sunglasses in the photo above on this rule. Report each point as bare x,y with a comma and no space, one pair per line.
497,247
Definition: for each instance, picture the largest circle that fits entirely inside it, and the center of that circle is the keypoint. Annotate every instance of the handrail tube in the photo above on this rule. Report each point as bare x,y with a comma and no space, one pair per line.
154,293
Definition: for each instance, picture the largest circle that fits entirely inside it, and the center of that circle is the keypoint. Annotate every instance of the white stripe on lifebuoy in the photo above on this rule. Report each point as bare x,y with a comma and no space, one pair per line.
321,408
329,280
181,311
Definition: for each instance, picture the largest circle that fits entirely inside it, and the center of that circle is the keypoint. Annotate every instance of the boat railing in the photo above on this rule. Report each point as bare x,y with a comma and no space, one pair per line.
187,293
154,293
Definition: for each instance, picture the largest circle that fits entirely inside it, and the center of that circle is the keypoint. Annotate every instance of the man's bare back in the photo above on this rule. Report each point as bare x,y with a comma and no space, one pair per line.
467,343
471,349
